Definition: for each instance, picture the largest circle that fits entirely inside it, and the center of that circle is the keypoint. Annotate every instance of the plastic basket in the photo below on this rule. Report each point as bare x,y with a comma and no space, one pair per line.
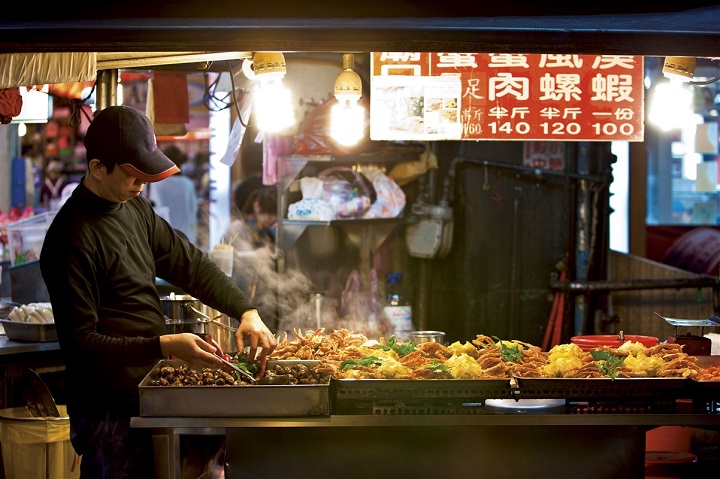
25,237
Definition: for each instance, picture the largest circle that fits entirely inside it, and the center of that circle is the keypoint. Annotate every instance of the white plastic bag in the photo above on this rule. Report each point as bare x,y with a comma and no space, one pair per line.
390,201
311,209
311,187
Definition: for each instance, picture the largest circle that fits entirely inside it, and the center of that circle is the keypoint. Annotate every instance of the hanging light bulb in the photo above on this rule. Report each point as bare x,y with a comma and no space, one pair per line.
671,105
347,125
681,68
273,102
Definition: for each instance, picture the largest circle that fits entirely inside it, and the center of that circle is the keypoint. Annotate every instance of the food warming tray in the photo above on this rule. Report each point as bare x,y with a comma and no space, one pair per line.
415,396
589,388
230,401
29,332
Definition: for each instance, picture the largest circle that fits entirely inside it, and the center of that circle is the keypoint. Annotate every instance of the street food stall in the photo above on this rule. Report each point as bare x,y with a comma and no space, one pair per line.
494,278
590,426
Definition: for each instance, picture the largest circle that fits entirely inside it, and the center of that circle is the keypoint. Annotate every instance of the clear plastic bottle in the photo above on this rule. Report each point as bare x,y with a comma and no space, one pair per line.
398,308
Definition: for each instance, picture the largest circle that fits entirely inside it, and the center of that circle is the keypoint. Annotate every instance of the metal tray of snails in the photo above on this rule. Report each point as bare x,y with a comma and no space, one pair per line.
226,399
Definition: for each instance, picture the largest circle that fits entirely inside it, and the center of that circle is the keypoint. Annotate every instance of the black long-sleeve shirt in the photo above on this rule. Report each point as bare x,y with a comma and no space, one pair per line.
99,262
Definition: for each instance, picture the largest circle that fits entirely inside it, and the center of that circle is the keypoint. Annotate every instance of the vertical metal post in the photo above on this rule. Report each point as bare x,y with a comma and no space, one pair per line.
583,228
106,89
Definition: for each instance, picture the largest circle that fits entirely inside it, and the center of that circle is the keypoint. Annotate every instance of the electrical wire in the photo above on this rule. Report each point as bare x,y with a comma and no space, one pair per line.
235,100
211,101
215,103
705,82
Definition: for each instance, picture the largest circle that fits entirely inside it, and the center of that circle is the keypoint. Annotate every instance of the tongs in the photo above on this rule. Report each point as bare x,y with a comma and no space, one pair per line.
278,379
238,370
204,318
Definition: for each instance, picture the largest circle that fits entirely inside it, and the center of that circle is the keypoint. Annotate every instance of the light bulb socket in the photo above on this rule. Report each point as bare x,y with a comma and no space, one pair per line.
348,83
267,63
679,67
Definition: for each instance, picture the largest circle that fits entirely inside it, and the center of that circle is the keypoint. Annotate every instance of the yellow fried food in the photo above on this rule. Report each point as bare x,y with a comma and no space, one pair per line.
561,366
458,348
464,366
571,350
393,369
633,348
644,366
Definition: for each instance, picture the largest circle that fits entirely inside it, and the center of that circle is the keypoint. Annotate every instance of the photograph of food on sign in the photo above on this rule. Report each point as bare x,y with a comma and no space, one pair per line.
425,96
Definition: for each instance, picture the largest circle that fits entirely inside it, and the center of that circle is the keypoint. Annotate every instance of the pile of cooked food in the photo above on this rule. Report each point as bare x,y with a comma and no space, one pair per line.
348,355
184,375
343,354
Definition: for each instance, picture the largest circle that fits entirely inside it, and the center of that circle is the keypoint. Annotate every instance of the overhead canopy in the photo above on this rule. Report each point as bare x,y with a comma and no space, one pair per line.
689,28
27,69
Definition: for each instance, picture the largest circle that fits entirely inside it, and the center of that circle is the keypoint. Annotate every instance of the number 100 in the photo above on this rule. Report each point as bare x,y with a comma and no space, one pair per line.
610,129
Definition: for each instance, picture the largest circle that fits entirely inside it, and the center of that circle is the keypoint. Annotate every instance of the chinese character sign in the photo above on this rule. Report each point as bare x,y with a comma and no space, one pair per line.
486,96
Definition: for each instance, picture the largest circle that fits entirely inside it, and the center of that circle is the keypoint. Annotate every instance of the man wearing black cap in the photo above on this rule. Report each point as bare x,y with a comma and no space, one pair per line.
100,258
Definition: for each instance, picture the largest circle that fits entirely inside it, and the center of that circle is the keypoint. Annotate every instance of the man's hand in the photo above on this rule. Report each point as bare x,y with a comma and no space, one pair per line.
252,327
192,349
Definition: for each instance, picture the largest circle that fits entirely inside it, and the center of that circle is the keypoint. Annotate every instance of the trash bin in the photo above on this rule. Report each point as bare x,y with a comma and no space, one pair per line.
37,447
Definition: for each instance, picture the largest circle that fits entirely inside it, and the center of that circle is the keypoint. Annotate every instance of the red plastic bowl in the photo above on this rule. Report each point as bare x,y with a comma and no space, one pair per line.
594,341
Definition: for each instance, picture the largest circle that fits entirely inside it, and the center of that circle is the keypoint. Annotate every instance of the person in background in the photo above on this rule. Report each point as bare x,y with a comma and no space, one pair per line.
252,236
177,196
100,259
255,229
52,185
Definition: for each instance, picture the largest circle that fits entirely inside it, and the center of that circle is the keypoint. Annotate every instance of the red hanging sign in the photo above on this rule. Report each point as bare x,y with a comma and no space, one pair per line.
486,96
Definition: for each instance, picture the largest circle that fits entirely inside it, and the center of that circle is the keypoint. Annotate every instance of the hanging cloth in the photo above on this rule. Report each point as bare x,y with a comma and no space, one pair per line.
168,103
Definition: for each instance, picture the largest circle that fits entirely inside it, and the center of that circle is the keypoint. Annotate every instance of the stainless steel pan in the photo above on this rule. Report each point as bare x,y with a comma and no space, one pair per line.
185,314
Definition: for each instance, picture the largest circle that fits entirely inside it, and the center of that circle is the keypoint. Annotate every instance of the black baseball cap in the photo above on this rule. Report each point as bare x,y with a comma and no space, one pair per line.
125,134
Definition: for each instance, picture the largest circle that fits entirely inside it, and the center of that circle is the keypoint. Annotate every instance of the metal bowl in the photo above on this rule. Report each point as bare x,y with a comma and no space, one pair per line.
419,337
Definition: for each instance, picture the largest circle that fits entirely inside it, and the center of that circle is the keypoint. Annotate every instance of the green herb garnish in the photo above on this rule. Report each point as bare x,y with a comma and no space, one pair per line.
510,354
438,368
402,349
607,363
241,361
369,362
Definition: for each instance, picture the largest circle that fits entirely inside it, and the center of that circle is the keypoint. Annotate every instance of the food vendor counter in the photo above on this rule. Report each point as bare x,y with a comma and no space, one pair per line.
10,348
425,446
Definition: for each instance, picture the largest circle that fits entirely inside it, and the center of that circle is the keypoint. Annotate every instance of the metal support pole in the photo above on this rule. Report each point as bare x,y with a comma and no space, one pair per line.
106,89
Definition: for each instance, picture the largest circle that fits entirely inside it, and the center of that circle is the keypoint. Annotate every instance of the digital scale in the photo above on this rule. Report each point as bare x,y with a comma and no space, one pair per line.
692,344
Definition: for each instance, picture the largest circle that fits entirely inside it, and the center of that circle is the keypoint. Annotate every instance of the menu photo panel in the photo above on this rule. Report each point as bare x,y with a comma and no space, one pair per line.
488,96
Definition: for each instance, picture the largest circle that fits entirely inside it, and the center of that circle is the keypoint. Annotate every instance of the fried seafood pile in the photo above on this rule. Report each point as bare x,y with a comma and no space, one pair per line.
315,345
352,356
347,355
710,373
631,360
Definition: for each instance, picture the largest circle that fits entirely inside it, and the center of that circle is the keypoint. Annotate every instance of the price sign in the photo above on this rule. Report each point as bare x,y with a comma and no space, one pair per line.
487,96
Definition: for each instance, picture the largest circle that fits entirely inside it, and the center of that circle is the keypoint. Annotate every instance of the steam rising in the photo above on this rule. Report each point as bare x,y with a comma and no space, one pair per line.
290,300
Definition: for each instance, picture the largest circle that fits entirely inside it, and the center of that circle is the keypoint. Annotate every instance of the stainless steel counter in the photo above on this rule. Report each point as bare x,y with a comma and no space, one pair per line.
642,420
427,446
8,347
